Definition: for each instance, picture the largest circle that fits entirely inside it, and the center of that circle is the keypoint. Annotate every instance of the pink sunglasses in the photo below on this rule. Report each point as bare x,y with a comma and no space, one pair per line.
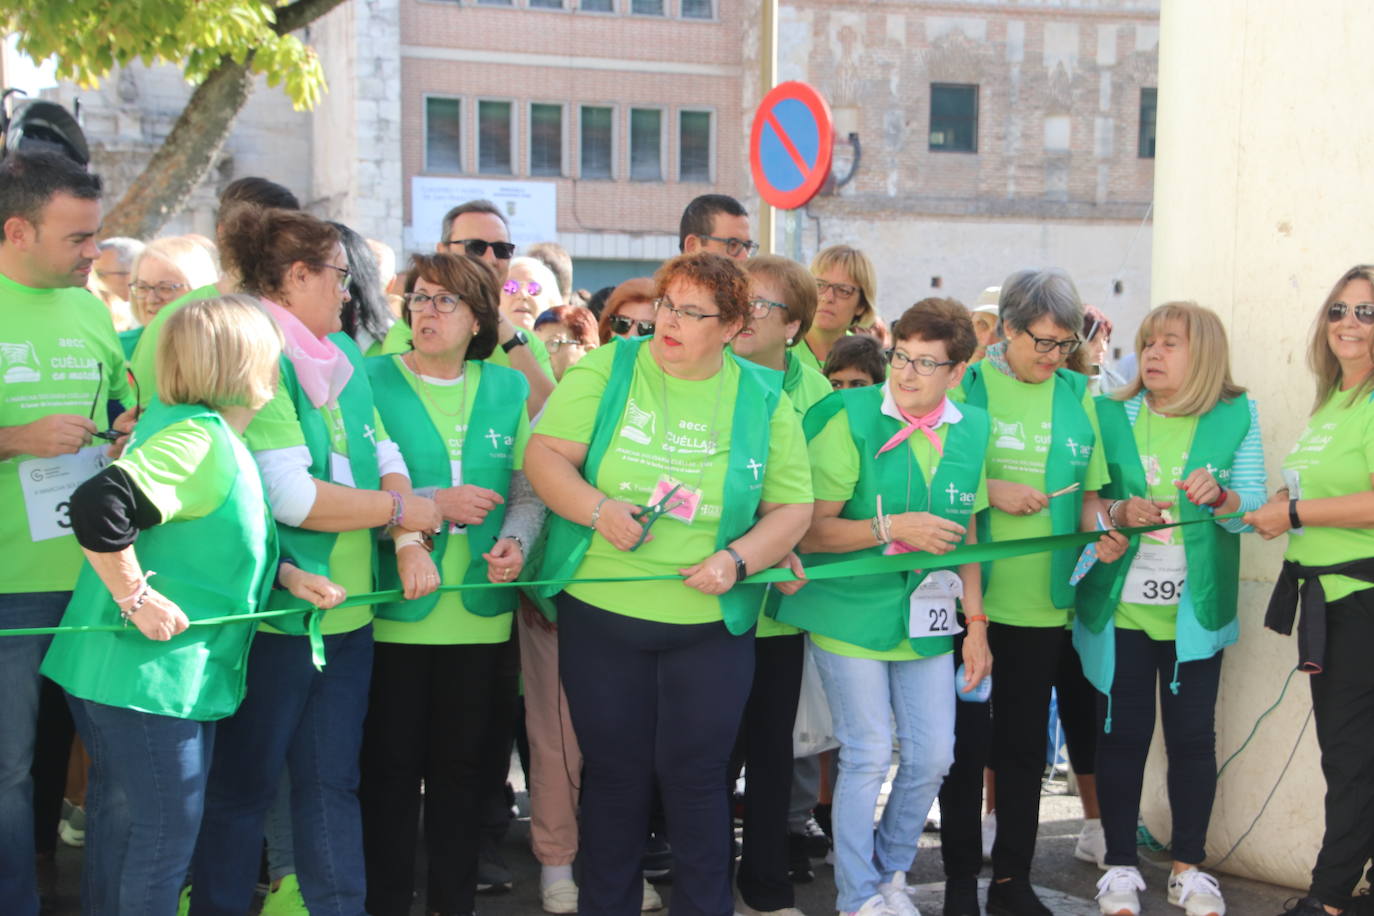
512,287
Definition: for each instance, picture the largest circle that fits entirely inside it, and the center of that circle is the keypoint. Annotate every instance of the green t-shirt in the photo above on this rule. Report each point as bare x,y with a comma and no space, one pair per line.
1019,591
665,431
276,426
835,476
181,472
143,362
1163,443
449,622
398,340
58,355
1334,456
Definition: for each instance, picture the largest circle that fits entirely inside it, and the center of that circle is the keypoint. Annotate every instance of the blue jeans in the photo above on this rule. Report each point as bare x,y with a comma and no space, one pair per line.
143,805
281,848
19,660
865,695
311,723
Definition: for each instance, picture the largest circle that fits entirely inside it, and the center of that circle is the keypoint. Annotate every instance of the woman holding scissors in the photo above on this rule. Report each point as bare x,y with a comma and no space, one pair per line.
1044,471
657,673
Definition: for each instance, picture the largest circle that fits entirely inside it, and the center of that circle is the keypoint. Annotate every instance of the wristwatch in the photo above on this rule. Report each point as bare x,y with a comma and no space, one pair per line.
518,339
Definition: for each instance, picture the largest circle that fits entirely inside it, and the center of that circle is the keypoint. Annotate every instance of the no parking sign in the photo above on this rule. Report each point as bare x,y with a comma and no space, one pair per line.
791,144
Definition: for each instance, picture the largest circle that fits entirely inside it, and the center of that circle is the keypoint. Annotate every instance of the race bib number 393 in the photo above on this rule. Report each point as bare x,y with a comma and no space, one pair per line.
1157,575
48,484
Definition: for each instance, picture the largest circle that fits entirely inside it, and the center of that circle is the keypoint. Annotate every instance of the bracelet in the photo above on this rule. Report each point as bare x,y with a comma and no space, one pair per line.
1221,498
398,512
975,618
596,513
879,535
1111,510
1293,521
138,598
741,571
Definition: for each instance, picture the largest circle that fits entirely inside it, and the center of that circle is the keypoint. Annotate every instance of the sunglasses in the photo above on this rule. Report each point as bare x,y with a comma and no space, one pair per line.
111,434
622,324
478,247
512,287
1364,312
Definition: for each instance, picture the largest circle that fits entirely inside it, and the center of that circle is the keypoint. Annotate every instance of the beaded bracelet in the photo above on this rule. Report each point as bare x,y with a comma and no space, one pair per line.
138,598
398,511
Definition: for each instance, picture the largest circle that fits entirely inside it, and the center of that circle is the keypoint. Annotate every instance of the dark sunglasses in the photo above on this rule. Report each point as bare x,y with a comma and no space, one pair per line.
478,247
111,434
622,324
1364,312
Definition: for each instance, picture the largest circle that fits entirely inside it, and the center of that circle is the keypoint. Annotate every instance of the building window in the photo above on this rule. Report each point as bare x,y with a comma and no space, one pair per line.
443,132
597,142
647,7
646,144
597,6
493,2
494,136
546,4
546,140
1148,107
698,9
953,118
694,146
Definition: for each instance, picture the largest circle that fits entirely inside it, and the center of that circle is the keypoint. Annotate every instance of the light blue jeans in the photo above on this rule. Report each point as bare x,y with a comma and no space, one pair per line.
866,695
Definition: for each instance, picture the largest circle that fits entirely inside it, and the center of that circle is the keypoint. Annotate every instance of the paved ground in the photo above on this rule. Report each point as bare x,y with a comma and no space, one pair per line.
1068,885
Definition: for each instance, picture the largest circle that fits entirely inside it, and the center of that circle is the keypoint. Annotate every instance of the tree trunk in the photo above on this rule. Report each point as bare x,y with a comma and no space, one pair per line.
185,156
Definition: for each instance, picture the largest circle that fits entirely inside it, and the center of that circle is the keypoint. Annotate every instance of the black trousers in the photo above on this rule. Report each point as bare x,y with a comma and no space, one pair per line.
1026,661
1343,706
765,748
653,700
1144,667
1077,708
961,796
52,750
434,713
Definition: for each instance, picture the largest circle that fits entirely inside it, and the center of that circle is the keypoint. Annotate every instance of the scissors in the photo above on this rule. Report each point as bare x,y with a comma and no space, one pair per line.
647,515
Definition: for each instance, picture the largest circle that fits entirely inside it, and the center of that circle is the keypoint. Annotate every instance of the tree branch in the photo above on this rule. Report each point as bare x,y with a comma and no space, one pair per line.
301,13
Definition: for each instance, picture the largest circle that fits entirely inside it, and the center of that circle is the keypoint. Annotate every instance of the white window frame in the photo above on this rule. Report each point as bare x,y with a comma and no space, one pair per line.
710,143
565,157
663,115
424,155
477,135
714,17
666,14
615,140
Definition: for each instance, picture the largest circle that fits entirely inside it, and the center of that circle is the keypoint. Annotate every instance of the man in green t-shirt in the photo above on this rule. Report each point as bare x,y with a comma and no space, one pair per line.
60,365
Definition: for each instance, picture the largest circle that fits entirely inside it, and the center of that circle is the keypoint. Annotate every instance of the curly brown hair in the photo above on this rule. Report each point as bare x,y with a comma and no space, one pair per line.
262,243
935,319
474,282
720,276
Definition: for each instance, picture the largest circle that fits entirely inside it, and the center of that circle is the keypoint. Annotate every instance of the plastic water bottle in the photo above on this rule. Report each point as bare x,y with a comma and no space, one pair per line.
979,694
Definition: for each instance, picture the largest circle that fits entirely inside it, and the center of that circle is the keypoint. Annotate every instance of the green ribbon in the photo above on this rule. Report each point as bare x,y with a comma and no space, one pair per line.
861,566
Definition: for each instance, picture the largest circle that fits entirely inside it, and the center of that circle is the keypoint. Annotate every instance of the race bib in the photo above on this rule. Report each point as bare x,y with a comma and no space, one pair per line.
685,501
47,485
1156,575
340,471
932,606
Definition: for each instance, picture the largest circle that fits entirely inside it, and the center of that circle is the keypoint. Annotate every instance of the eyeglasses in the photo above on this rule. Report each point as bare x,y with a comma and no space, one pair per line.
1046,344
686,311
442,302
763,306
512,287
839,383
733,246
557,343
1364,312
478,248
111,434
164,290
924,364
622,324
344,276
840,290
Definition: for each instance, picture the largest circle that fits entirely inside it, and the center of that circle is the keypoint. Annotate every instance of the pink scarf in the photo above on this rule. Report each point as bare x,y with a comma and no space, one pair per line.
321,367
925,424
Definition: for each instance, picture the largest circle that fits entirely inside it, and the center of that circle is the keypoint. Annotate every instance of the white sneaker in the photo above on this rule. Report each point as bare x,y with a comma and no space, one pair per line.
559,897
652,901
898,896
1092,844
873,906
989,834
1117,891
1197,893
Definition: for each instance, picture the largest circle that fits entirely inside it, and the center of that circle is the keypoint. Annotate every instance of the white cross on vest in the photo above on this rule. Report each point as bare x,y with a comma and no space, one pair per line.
754,466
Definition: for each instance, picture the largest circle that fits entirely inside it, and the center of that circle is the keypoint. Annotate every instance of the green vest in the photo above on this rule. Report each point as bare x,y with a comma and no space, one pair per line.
221,564
804,385
310,550
755,400
878,619
1071,443
1213,552
488,457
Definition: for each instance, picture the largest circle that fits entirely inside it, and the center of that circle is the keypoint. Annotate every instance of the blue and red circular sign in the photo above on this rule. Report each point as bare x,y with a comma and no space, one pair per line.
791,145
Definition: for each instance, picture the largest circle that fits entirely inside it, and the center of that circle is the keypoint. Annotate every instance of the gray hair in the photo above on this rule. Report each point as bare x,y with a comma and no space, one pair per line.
1029,295
127,249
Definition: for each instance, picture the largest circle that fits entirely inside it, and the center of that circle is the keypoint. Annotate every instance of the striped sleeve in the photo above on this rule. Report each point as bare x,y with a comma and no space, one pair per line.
1247,473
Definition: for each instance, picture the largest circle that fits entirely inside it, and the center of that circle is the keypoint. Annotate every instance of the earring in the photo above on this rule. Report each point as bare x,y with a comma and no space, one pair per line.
789,341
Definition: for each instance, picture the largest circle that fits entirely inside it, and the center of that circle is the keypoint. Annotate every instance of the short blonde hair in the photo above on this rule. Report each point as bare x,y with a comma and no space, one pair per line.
1320,359
220,352
855,263
190,258
1209,358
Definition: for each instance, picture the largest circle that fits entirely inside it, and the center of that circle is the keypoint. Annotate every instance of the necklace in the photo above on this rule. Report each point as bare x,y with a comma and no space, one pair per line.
433,399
